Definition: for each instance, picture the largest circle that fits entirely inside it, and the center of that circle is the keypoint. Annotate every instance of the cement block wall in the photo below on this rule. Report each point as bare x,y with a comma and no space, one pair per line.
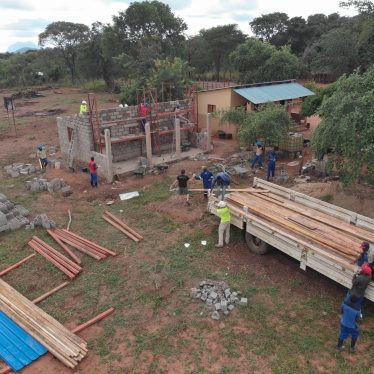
121,151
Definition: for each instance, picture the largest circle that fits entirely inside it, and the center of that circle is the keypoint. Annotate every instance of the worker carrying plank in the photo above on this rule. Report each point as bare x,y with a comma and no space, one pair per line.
223,182
360,282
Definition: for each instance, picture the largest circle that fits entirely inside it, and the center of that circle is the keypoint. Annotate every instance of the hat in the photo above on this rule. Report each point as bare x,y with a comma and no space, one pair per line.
40,147
83,102
146,104
178,105
365,245
221,204
366,269
259,143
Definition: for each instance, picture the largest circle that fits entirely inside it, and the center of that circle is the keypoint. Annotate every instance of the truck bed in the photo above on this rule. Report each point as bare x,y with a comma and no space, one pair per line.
319,235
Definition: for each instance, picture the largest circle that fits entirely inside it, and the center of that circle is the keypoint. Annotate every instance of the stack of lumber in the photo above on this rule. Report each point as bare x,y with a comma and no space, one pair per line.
92,249
70,268
69,348
312,226
116,222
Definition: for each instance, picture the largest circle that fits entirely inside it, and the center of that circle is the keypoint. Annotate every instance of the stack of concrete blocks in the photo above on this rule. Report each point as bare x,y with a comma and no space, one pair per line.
19,169
121,151
198,140
41,220
217,295
52,150
12,217
41,184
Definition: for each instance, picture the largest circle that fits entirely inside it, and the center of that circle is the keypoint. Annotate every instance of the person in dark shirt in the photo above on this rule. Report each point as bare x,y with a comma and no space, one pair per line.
351,313
182,180
272,158
360,282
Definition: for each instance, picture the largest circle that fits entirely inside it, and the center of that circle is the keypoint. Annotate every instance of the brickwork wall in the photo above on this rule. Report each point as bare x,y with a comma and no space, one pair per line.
121,151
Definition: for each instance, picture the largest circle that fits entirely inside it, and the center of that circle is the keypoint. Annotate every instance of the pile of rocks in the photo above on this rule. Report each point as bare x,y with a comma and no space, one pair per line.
41,220
18,169
282,177
12,217
217,295
40,184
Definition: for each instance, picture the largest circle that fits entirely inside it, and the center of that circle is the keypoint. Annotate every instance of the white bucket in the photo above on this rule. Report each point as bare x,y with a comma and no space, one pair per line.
57,165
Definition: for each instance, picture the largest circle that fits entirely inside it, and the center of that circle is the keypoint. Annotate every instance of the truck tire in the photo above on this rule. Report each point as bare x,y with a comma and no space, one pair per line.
255,244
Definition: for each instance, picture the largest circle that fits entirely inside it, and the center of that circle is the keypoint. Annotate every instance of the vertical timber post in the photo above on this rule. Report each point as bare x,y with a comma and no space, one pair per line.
177,138
148,143
109,157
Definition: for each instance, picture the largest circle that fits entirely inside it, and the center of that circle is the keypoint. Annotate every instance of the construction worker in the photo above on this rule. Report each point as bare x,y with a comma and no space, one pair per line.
351,314
272,157
83,107
360,281
207,177
364,255
223,181
143,114
258,157
176,110
41,155
93,172
182,180
224,226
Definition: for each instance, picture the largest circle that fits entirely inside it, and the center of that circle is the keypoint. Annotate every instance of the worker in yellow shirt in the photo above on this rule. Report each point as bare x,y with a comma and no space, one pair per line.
83,107
224,226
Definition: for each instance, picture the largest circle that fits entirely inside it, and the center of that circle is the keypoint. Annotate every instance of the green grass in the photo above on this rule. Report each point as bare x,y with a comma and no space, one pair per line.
155,323
327,198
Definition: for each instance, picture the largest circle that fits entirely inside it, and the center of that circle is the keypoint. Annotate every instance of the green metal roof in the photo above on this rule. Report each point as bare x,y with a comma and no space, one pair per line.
273,92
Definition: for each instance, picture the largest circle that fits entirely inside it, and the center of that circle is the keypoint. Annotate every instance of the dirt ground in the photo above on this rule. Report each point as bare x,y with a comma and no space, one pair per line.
273,269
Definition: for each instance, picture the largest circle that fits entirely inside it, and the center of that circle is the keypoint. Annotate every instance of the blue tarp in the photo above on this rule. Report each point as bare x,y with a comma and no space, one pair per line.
273,92
17,347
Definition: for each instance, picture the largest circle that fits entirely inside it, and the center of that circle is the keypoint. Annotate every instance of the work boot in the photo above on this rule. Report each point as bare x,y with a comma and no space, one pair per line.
96,185
92,184
219,245
353,345
340,346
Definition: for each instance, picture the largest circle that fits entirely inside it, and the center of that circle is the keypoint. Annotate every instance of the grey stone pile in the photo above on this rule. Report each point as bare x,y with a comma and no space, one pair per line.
41,220
218,296
19,169
282,177
40,184
12,217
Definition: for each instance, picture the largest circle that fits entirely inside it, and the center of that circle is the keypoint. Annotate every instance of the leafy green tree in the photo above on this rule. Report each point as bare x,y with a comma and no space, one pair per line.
195,53
348,126
364,7
259,62
220,42
151,20
270,121
175,72
269,25
66,38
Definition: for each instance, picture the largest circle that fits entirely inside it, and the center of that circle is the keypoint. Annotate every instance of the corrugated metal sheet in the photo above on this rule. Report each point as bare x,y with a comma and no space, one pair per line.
17,347
274,92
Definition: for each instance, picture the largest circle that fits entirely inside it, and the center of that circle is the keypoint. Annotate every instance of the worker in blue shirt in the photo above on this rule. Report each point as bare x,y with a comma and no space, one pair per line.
207,177
272,158
351,314
223,181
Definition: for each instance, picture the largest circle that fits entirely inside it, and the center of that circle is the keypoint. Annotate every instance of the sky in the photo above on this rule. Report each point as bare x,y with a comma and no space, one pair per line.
23,20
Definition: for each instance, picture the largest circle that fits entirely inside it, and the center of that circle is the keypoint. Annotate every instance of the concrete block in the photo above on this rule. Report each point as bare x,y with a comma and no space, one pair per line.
218,306
31,169
24,212
204,297
3,219
5,228
66,189
32,225
28,227
223,305
52,223
9,216
15,175
38,220
16,212
14,224
213,295
215,315
3,198
209,302
62,182
35,186
226,312
243,301
28,185
9,205
230,307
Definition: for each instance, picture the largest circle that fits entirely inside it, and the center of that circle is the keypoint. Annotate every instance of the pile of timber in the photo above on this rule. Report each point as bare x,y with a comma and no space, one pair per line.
116,222
69,348
92,249
313,227
70,268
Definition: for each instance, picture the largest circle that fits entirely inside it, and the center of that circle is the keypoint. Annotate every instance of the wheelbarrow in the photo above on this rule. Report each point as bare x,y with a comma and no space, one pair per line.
140,171
161,167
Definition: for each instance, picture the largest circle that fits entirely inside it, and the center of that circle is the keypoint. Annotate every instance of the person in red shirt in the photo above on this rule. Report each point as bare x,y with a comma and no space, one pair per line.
143,113
93,171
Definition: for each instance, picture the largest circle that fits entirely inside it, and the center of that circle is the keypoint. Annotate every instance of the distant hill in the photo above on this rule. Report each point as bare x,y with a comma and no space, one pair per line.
22,45
24,49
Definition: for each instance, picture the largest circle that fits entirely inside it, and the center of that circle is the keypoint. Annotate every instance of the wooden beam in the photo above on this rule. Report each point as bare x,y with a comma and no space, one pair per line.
129,229
6,271
135,239
41,298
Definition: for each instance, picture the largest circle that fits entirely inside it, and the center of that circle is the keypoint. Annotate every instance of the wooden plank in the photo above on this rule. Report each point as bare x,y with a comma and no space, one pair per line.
49,293
126,227
65,247
6,271
298,219
135,239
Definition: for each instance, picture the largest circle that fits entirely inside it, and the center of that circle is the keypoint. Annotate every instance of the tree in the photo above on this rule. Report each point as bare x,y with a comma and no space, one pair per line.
220,42
348,127
152,20
364,7
195,53
269,25
66,38
270,121
175,72
259,62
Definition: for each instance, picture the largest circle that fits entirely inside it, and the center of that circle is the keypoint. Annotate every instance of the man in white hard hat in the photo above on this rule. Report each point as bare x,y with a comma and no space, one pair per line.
224,226
83,107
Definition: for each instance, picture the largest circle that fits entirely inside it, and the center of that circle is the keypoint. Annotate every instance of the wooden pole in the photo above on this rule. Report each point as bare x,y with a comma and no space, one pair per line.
16,265
41,298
